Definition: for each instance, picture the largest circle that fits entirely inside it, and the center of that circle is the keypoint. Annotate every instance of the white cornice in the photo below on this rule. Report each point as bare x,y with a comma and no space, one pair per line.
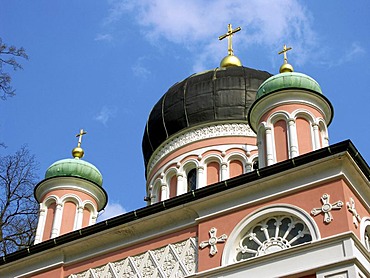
197,134
290,97
72,183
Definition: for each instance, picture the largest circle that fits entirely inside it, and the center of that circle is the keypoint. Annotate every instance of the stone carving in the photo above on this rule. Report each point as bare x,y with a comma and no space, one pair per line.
356,219
326,208
213,240
206,132
174,260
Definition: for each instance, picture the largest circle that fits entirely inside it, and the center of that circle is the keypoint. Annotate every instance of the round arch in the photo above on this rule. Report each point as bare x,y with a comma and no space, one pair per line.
275,239
365,232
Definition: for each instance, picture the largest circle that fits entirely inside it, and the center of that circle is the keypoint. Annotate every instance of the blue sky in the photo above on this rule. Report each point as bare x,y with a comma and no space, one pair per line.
102,65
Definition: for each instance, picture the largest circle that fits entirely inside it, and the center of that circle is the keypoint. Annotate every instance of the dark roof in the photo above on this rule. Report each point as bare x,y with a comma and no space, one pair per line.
345,146
222,94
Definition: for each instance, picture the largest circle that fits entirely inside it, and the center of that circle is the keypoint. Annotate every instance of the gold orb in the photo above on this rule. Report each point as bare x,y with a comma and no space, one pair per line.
78,152
230,61
286,68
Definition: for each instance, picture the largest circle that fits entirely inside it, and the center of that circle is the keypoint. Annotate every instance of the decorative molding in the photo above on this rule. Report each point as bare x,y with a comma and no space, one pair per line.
174,260
198,134
326,208
356,219
213,240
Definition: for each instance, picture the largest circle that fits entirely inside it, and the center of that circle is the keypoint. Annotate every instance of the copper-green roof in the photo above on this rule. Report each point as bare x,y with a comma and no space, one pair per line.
288,80
72,167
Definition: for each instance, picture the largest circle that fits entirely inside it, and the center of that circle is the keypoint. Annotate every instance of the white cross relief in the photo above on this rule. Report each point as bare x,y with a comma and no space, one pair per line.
326,208
213,240
355,216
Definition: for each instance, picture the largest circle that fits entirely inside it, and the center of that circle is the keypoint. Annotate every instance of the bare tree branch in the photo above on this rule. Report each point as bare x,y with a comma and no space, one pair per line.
18,209
7,59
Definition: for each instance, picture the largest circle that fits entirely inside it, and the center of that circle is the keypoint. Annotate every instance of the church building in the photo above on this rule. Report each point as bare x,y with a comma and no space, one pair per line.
241,181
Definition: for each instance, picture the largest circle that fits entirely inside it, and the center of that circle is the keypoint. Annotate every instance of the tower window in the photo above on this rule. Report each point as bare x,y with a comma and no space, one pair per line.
192,180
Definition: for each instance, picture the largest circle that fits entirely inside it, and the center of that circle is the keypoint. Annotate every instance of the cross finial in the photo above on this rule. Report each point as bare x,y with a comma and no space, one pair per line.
285,50
229,36
82,133
285,66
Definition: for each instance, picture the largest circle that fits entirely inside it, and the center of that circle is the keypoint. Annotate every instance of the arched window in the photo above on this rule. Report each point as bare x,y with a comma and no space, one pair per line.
255,164
235,168
367,238
269,230
272,234
281,140
365,232
50,214
213,172
192,180
173,186
304,135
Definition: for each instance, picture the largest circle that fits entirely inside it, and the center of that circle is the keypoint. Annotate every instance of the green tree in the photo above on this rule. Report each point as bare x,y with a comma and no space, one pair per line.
18,207
8,55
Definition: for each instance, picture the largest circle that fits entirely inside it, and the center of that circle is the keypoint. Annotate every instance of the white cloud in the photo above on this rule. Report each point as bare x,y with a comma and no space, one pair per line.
112,209
196,24
103,37
139,69
351,53
105,114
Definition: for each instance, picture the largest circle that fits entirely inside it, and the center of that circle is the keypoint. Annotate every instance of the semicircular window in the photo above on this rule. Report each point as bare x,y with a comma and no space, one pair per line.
272,234
367,237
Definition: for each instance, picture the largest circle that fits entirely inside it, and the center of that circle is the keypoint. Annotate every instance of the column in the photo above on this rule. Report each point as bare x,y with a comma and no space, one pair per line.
248,167
261,143
41,224
79,217
316,136
200,177
181,184
57,220
164,191
292,137
269,147
93,218
224,171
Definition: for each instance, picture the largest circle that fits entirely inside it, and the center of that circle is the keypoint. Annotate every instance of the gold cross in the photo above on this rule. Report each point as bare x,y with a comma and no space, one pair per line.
229,36
285,50
82,133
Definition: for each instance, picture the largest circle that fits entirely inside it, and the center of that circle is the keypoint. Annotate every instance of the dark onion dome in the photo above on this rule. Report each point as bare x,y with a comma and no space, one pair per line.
222,94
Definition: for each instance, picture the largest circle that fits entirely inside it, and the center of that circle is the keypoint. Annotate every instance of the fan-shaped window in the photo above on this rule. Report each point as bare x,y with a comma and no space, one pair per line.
272,234
192,180
269,230
367,238
365,232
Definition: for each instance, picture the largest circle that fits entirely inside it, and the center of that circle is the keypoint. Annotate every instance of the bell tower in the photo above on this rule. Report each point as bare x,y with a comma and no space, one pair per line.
290,115
70,196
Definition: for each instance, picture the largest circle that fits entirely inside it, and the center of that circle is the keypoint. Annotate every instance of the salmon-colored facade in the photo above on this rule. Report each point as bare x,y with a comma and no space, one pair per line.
236,187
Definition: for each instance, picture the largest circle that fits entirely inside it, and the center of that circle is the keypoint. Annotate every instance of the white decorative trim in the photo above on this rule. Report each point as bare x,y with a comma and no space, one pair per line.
230,250
356,219
198,134
326,208
74,184
174,260
213,240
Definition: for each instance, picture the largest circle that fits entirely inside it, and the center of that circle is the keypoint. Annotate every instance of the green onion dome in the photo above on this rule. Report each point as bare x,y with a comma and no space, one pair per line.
74,167
288,80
